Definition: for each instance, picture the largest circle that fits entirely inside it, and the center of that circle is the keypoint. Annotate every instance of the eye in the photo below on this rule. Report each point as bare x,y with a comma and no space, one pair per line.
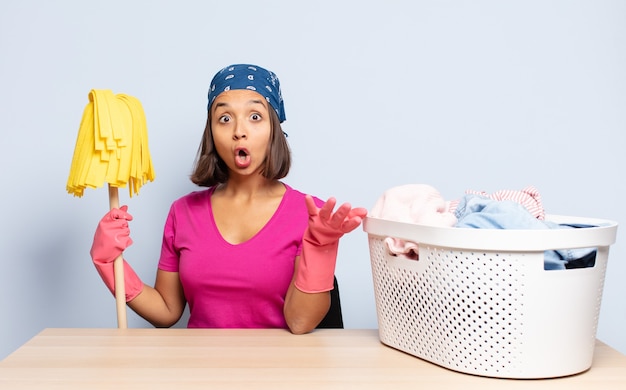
255,117
224,119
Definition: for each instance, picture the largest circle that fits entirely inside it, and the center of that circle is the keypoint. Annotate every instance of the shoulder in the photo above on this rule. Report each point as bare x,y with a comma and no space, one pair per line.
193,199
297,197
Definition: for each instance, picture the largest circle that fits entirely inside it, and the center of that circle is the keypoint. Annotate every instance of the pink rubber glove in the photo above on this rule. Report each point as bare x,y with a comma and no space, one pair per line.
321,241
112,237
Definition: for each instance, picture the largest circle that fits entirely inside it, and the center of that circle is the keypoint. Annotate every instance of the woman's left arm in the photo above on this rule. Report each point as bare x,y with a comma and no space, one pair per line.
304,311
308,298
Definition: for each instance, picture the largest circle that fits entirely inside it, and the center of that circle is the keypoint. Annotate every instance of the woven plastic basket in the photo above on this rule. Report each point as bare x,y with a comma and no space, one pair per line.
479,301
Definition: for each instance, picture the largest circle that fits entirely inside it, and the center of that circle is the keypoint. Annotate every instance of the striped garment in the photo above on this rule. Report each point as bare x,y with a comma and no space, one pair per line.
529,197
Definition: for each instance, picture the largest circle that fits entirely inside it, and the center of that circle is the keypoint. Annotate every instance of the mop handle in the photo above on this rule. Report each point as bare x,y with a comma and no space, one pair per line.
118,269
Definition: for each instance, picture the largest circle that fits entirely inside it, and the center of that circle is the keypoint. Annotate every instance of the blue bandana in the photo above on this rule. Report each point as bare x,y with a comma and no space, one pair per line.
252,77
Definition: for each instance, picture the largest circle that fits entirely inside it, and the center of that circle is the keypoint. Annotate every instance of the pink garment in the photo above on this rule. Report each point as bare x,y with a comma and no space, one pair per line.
529,197
412,203
233,286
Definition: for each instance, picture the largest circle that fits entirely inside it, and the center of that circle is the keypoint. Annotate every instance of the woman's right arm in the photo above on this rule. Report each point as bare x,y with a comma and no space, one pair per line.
163,305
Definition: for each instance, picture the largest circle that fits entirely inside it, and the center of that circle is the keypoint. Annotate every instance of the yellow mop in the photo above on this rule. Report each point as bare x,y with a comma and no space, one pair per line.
112,147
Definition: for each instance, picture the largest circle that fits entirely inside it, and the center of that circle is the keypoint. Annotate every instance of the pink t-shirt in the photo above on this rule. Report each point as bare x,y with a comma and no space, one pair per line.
233,286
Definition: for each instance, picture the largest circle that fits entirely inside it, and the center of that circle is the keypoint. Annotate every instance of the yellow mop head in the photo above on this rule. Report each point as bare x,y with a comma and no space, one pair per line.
112,145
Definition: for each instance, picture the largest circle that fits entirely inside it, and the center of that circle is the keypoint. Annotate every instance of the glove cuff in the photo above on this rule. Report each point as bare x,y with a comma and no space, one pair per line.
132,283
316,271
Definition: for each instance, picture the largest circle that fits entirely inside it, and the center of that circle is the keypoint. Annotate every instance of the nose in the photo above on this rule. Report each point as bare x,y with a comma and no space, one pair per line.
240,131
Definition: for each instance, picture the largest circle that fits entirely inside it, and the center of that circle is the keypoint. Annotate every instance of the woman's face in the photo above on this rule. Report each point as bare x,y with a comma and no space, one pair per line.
241,127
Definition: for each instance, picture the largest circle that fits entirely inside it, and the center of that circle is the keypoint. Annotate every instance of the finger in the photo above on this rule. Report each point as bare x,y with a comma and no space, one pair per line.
338,218
310,205
118,214
358,212
327,209
113,214
351,224
122,213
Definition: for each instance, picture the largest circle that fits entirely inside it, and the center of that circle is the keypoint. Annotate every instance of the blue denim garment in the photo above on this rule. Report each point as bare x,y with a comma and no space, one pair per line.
480,212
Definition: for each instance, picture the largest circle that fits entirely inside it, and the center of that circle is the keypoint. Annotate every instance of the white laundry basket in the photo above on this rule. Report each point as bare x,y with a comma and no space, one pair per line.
479,301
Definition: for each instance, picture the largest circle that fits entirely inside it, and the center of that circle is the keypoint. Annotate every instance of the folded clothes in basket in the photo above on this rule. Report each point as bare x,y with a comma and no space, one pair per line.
506,209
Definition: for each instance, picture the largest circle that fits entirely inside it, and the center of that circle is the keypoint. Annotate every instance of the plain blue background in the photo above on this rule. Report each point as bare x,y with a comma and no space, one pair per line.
483,95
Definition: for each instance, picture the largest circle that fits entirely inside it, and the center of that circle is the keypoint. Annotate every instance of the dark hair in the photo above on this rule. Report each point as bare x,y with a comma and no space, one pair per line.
209,168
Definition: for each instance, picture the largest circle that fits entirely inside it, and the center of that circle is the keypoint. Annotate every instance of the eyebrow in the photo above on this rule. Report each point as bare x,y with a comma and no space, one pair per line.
251,101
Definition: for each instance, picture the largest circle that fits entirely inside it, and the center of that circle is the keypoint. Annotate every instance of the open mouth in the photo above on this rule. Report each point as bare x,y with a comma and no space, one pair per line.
242,157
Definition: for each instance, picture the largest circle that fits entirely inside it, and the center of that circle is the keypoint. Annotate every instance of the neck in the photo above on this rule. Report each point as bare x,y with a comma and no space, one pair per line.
250,188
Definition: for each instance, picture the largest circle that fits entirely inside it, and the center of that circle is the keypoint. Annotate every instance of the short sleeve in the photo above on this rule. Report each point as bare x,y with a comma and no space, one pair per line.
169,260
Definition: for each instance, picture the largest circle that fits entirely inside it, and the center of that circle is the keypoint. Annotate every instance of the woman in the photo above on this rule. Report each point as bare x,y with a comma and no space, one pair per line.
248,251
